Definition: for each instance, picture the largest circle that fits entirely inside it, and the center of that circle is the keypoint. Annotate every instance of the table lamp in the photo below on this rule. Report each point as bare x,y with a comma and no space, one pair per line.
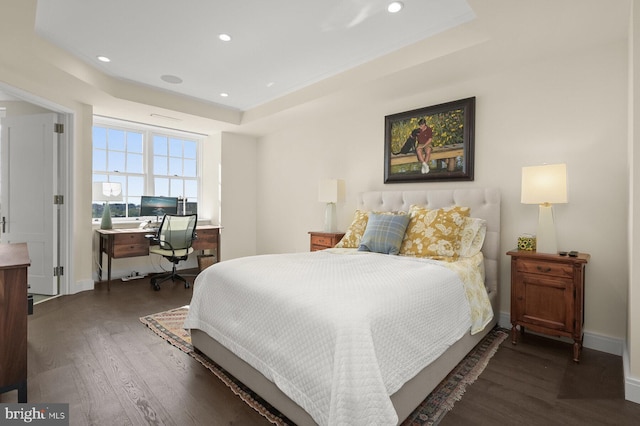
545,185
107,191
330,191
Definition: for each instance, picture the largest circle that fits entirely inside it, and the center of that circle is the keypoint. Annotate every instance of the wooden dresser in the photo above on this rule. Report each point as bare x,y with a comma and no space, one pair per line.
547,295
324,240
14,261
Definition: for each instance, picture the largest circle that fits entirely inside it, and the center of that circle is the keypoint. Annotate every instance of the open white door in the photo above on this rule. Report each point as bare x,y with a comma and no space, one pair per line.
28,154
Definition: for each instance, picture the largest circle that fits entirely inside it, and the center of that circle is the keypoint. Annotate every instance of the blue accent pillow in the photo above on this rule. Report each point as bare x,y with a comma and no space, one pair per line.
384,233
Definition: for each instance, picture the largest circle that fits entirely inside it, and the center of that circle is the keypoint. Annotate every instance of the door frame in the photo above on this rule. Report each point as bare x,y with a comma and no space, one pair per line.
65,179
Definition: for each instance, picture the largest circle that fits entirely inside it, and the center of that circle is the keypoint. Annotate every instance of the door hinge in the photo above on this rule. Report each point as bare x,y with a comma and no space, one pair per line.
58,199
58,271
58,128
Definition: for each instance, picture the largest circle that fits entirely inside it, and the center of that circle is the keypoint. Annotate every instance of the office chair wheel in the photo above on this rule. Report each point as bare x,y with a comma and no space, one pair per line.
186,285
155,285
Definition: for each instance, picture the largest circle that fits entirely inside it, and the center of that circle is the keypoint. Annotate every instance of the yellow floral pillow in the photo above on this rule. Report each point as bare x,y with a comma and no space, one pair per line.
355,231
434,233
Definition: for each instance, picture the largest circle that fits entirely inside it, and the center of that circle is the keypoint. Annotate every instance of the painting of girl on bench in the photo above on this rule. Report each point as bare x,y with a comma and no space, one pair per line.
431,144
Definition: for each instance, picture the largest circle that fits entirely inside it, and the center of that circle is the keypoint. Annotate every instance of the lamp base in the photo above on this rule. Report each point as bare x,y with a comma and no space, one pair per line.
330,218
546,237
106,218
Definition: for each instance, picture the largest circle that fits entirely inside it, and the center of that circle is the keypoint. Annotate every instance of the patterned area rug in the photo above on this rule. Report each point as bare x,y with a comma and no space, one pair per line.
168,325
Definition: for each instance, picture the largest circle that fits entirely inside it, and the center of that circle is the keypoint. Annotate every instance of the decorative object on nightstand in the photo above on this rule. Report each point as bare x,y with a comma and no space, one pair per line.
107,191
527,242
330,191
324,240
545,185
547,295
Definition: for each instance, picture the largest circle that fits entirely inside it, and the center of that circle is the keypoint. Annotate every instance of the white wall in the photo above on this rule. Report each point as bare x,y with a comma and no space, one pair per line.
238,207
632,350
569,108
17,108
209,167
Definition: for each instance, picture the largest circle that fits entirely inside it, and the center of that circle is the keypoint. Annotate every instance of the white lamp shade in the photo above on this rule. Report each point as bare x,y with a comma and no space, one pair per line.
107,191
544,184
331,190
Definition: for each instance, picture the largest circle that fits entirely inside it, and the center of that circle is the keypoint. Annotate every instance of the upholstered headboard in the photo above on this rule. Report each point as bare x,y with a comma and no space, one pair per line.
484,204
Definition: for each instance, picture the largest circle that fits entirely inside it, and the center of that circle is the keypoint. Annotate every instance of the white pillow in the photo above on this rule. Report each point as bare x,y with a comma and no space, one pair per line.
472,236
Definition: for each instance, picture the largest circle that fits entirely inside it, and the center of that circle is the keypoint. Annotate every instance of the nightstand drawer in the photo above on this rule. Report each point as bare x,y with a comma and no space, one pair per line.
320,240
324,240
547,268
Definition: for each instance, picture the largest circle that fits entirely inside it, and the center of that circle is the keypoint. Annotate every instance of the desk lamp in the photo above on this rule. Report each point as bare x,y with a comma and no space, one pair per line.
545,185
330,191
107,191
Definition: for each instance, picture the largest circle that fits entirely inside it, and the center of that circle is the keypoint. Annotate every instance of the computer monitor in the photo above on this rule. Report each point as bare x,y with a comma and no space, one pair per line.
158,206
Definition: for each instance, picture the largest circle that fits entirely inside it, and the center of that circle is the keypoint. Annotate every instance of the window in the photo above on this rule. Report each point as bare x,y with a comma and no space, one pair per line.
145,160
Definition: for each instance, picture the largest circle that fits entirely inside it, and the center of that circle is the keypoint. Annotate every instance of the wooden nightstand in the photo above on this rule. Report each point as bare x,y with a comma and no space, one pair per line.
324,240
547,295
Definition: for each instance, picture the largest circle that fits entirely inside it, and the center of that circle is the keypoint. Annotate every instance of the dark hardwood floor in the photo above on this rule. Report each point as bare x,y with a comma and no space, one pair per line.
536,382
90,350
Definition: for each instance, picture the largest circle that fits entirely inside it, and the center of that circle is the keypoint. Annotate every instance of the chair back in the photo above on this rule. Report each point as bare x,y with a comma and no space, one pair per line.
177,232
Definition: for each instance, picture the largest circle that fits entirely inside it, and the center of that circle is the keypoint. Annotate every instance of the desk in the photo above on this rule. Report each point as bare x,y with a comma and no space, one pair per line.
131,242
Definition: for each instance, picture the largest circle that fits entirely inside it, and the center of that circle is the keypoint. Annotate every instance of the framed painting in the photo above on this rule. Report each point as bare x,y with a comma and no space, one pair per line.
434,143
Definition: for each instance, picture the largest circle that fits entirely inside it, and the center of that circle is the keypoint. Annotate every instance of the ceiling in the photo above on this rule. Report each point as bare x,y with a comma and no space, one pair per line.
277,47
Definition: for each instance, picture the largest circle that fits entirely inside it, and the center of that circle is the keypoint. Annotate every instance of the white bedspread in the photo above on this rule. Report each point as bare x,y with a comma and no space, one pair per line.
340,337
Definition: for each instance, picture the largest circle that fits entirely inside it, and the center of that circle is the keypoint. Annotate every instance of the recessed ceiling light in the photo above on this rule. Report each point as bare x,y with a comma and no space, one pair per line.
103,59
171,79
224,37
395,7
224,95
271,84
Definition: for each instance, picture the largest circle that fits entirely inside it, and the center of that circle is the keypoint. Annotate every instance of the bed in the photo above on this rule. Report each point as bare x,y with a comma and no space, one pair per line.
322,363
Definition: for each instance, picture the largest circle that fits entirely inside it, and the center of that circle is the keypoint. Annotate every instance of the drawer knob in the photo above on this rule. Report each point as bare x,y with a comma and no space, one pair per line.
546,269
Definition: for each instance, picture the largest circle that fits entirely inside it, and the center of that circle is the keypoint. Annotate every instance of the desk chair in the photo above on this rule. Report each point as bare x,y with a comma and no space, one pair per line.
174,242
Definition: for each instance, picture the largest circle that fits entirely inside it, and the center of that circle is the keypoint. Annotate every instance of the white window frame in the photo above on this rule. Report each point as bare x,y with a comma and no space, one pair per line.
148,132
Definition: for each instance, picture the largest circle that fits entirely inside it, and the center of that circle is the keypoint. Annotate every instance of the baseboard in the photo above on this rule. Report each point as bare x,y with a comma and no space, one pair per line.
82,285
504,320
598,342
631,384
